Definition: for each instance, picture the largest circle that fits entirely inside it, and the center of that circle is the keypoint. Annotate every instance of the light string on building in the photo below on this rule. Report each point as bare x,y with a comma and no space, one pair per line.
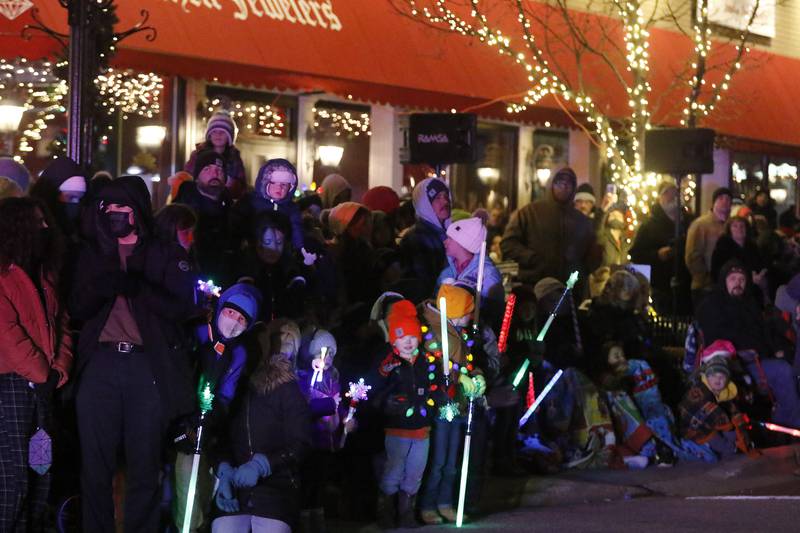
130,93
256,118
341,122
622,139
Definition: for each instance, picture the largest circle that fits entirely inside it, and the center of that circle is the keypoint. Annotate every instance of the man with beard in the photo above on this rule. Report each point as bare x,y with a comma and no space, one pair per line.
133,294
655,245
210,200
550,238
732,313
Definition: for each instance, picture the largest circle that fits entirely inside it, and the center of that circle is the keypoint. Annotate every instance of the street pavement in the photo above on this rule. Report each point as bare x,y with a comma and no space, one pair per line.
738,495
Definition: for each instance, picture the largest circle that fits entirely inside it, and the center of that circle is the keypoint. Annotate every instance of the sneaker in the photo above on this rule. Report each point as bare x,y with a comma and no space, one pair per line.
430,517
449,514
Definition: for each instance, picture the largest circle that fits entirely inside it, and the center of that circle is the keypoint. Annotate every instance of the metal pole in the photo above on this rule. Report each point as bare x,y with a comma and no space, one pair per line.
81,74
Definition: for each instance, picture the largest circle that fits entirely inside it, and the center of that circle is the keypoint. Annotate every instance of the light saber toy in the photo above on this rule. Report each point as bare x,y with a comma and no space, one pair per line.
462,489
781,429
206,399
542,396
526,363
316,377
445,340
358,392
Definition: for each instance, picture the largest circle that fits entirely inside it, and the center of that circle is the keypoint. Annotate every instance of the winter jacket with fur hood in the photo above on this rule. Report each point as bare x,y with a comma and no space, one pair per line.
258,201
551,239
36,338
422,246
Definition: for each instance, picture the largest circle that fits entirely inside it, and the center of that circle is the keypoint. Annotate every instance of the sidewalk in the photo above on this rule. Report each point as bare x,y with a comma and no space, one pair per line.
773,473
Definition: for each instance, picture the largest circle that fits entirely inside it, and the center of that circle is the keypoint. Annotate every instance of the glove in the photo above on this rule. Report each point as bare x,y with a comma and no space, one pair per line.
226,499
467,385
248,474
308,257
480,385
45,390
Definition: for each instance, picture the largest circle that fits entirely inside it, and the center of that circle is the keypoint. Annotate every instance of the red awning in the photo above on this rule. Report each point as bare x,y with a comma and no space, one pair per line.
370,51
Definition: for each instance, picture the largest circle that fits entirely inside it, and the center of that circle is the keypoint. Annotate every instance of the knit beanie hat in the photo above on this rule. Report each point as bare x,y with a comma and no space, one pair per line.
205,158
403,321
435,186
9,188
469,233
459,300
666,185
585,192
322,338
381,198
331,187
16,172
716,365
221,121
243,298
73,184
341,216
546,286
458,214
721,191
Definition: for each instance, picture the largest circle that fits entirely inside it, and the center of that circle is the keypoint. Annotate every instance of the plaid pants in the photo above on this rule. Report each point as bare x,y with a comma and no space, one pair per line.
23,493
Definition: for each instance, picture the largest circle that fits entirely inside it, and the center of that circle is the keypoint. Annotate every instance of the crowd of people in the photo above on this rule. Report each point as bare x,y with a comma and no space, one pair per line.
235,323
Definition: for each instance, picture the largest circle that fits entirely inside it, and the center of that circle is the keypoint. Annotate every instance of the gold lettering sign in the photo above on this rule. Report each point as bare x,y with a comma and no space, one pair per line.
314,13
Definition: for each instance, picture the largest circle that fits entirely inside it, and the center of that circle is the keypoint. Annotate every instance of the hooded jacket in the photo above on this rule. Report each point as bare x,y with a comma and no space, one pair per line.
46,188
739,320
551,239
332,186
422,247
257,201
223,361
163,298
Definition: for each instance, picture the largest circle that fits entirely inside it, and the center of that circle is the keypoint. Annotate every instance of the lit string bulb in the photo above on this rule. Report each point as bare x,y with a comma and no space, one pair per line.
132,93
345,123
255,118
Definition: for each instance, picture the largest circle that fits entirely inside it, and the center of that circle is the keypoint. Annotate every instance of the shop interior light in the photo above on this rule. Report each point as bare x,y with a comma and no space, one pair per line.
330,155
488,175
779,195
150,136
543,174
10,117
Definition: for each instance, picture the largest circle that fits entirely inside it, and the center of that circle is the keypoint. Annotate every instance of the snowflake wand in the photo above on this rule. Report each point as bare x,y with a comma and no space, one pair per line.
358,392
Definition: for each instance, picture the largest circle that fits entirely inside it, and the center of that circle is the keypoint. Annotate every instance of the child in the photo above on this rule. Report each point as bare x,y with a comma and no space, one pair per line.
438,494
268,437
325,397
708,412
409,406
220,136
223,356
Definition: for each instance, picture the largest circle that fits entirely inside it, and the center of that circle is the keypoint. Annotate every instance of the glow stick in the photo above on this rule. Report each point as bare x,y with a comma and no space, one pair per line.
358,391
526,363
206,399
541,397
316,377
445,341
462,489
479,287
781,429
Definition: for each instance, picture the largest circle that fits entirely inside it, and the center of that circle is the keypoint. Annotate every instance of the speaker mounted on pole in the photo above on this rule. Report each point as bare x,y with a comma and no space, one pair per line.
679,151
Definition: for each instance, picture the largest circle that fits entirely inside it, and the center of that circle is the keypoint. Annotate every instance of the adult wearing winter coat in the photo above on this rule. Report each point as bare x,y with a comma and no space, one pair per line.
211,202
133,292
655,245
35,356
220,137
702,239
732,313
335,189
422,246
549,237
612,238
463,247
269,434
737,243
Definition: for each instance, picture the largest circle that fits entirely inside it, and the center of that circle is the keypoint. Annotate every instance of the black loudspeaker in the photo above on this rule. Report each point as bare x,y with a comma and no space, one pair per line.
442,138
679,151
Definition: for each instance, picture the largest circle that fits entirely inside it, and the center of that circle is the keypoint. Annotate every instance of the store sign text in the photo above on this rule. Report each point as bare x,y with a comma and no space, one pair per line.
315,13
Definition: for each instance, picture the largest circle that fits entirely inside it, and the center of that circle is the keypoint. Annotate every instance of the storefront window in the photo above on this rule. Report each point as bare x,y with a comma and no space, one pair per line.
339,138
783,183
550,152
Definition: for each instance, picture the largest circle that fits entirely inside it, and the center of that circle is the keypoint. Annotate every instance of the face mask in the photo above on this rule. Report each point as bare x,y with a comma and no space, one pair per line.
71,211
616,224
229,328
119,224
